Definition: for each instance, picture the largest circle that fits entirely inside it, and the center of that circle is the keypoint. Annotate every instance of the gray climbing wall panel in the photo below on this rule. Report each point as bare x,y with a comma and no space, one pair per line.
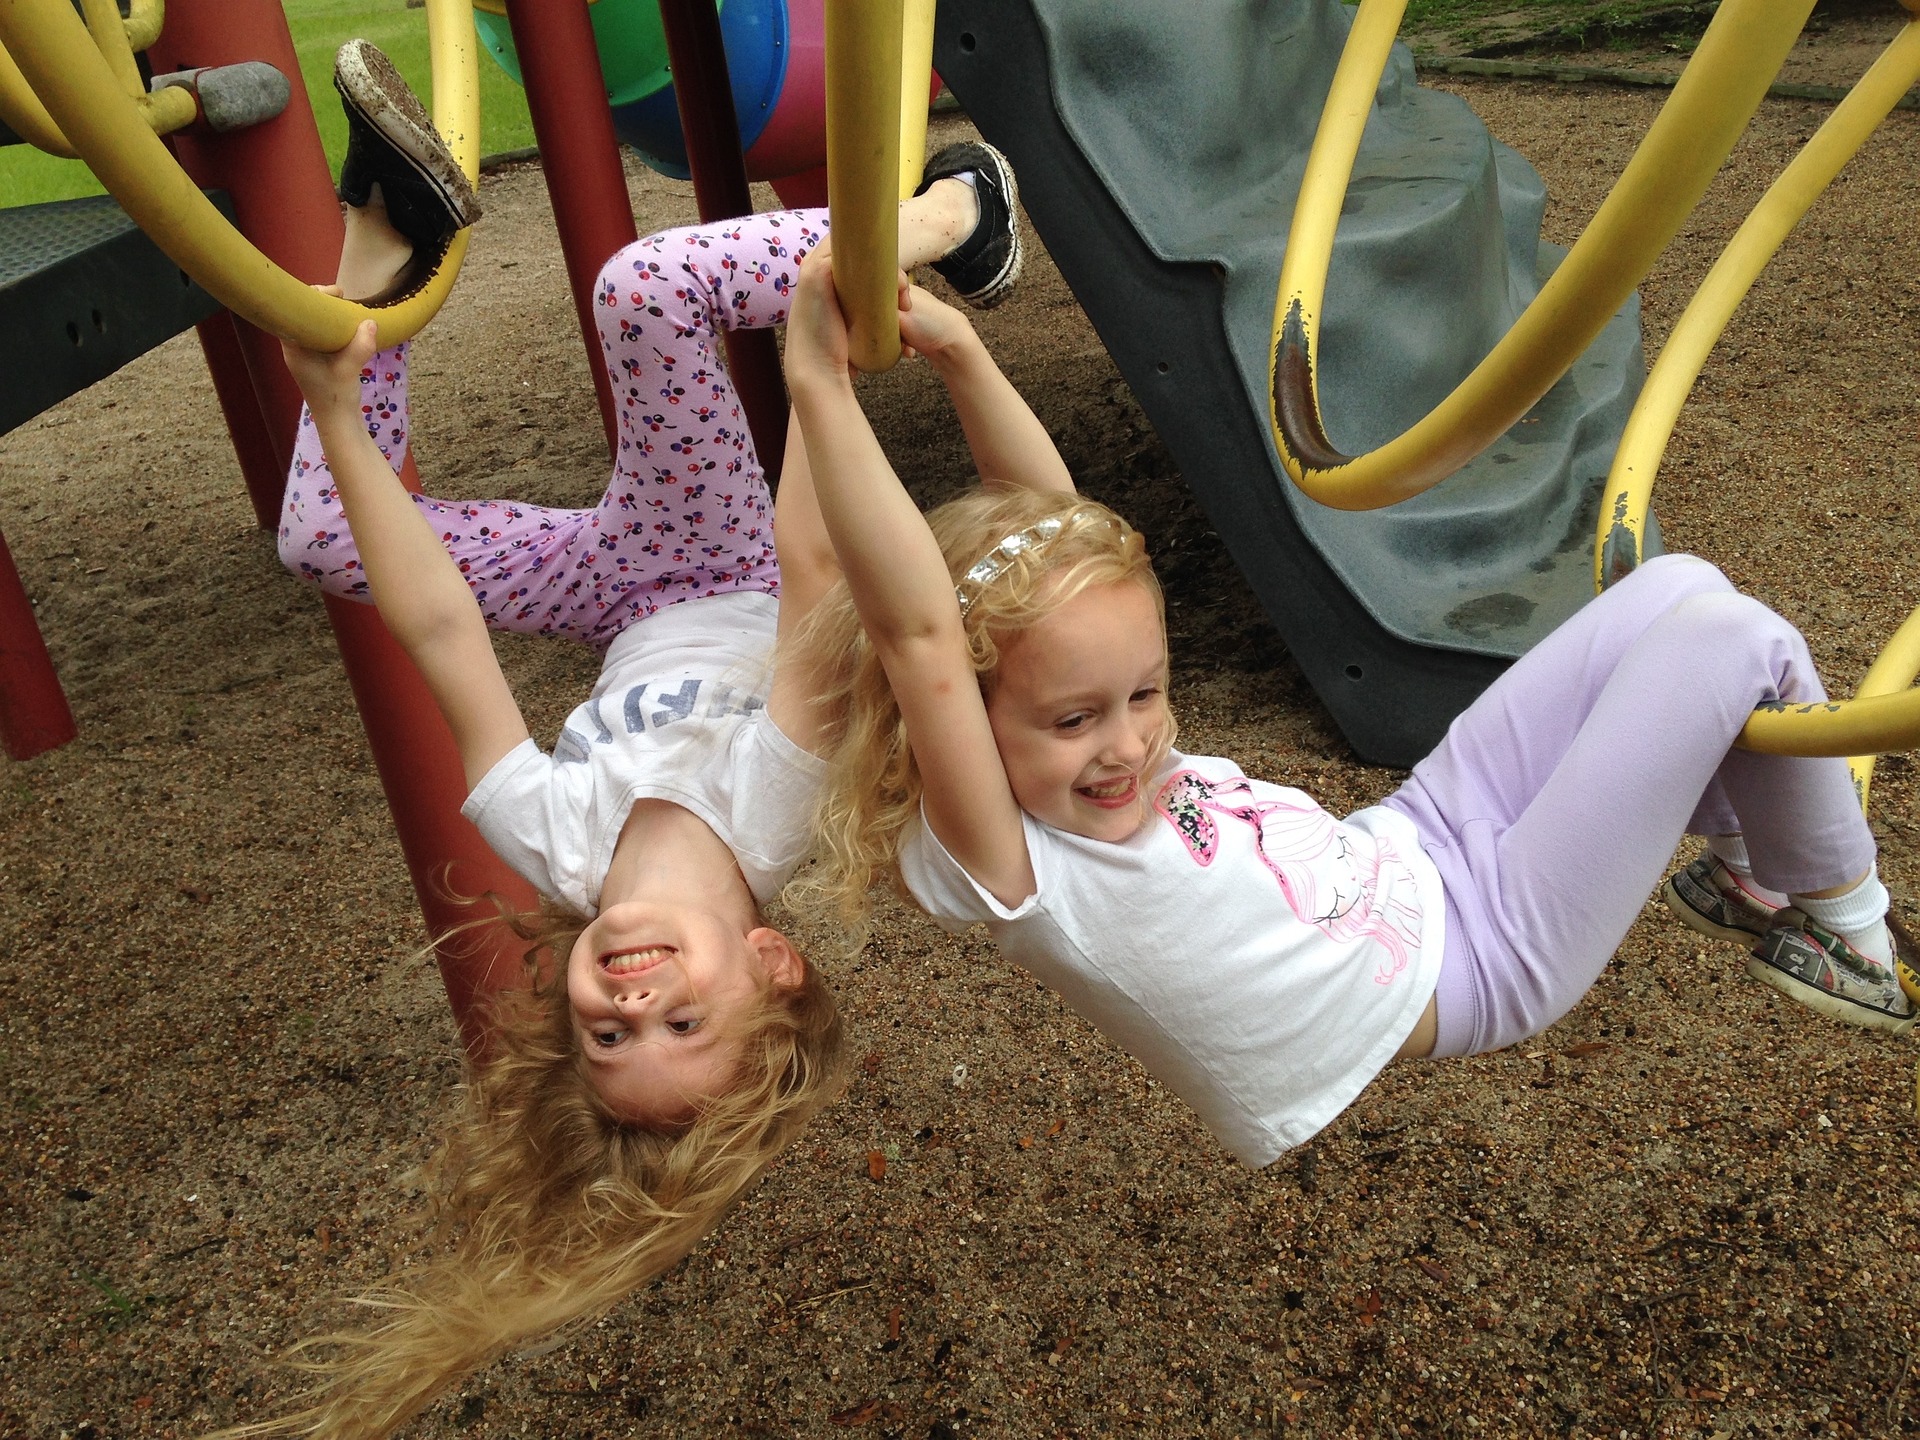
1160,148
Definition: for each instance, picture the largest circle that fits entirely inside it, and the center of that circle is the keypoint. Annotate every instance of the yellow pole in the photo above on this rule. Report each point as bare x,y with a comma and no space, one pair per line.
143,22
108,128
1623,511
1737,58
22,112
110,35
1890,674
864,40
916,85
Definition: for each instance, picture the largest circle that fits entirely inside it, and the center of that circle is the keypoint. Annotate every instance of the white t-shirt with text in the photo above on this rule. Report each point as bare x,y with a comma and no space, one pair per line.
678,714
1262,959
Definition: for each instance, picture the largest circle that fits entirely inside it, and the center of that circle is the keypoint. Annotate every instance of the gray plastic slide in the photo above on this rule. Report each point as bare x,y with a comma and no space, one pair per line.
1159,148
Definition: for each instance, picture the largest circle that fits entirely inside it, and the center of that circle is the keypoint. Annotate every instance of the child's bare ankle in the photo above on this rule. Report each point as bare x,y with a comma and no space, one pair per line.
374,255
935,221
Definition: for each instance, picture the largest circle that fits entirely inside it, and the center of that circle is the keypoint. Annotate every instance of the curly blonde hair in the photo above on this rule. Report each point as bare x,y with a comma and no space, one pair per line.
545,1209
873,786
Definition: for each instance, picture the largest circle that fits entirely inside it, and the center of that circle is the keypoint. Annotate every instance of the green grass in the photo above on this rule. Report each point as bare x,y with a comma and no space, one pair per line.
1551,24
28,177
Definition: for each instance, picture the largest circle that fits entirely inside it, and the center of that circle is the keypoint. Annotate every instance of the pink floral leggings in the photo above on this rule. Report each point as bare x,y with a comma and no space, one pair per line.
687,512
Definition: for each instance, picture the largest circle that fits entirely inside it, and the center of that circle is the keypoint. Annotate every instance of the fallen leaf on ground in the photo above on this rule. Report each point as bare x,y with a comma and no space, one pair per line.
855,1414
1432,1270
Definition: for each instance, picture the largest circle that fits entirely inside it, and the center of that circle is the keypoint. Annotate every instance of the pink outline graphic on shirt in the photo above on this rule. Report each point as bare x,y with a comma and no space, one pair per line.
1299,845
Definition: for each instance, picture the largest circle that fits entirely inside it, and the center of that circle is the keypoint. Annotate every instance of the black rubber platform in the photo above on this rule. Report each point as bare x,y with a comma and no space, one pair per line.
82,292
1159,148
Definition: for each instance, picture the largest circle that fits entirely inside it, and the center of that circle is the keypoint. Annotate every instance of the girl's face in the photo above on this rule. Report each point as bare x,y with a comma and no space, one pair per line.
659,995
1078,708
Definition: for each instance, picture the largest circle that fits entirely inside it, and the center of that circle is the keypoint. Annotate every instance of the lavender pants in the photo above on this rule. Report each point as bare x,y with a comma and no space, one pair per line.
1554,803
687,512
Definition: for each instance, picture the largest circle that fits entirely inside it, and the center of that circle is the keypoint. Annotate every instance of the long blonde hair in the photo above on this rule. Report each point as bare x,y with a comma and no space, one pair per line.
873,785
545,1209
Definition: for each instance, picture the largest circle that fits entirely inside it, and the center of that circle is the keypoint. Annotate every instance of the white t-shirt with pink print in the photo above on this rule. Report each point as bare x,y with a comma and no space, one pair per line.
1262,959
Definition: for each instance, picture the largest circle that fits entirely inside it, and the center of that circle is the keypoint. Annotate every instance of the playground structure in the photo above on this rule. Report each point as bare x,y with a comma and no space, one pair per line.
76,90
1175,265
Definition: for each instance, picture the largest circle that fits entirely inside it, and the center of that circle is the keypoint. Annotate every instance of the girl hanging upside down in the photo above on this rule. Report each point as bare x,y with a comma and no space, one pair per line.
1003,749
670,1043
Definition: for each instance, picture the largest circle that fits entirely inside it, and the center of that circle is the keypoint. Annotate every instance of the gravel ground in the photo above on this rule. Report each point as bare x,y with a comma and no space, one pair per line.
1687,1210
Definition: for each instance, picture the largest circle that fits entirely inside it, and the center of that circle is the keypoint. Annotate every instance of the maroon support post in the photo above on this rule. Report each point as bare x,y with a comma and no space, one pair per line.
34,717
283,196
704,93
260,466
580,155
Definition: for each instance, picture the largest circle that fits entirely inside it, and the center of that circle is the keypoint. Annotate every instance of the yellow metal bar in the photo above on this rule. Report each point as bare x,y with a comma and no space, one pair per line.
1868,725
1719,91
22,112
1890,674
109,32
173,108
143,22
455,54
1636,463
864,41
916,90
109,130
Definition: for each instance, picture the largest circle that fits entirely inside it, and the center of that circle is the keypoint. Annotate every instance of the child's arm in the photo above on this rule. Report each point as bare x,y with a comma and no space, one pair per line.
808,570
419,591
1008,442
901,588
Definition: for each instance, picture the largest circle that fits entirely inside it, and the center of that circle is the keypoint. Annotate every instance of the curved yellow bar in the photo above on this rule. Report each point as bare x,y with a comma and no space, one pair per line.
22,112
864,46
916,86
1719,91
1890,674
143,23
1623,513
110,35
106,126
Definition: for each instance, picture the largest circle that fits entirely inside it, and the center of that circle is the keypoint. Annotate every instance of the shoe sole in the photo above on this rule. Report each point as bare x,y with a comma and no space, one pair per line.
1835,1007
1700,924
996,290
368,83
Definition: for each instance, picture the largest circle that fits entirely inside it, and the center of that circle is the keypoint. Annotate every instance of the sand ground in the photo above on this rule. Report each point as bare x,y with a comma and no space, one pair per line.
1689,1209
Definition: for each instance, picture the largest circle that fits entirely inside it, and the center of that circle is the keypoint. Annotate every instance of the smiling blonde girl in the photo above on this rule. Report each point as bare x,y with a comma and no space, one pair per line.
1002,750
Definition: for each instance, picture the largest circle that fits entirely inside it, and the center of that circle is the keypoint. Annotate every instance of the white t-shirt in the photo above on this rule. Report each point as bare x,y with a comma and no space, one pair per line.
1263,960
679,714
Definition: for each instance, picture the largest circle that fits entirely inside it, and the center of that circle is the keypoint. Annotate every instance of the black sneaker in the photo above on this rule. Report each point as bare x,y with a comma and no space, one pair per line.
392,143
1825,973
984,266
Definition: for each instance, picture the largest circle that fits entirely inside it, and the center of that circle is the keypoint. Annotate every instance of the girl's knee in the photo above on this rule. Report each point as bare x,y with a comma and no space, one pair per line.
1726,630
1682,576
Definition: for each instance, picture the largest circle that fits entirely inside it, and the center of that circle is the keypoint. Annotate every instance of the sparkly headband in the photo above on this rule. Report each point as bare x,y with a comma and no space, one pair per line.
997,561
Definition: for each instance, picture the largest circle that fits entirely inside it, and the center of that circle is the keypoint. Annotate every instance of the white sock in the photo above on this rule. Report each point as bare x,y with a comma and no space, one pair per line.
1731,851
1859,917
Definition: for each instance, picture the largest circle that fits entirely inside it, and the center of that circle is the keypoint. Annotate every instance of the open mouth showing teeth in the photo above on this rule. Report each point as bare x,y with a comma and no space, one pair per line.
632,962
1112,790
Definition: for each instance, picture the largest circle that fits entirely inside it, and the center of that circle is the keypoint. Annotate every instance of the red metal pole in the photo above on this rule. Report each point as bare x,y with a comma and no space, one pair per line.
580,155
265,474
34,716
704,93
283,196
